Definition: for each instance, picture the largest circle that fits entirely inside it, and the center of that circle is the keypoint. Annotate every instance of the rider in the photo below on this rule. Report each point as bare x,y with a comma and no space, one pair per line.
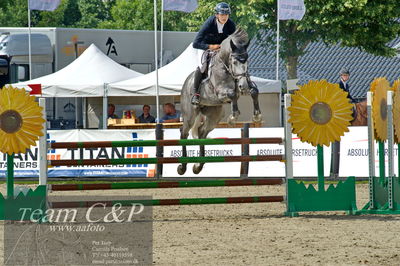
343,83
216,29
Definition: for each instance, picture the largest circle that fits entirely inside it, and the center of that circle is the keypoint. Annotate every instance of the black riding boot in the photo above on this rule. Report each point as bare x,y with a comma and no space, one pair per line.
196,86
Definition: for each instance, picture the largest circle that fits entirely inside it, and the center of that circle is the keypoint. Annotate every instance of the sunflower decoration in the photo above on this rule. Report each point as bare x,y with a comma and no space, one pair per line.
379,87
320,112
396,110
21,121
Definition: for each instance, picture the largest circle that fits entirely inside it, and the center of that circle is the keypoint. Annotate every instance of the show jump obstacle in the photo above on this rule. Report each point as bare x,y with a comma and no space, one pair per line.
298,197
383,126
316,116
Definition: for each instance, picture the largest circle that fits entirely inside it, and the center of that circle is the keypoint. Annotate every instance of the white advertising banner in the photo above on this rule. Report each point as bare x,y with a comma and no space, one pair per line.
304,155
210,169
26,165
353,155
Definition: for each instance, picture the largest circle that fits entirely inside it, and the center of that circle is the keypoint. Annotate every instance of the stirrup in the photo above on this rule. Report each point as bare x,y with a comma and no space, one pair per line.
196,99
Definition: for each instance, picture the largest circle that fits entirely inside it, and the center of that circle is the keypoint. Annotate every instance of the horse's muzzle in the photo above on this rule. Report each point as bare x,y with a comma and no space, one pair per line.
242,84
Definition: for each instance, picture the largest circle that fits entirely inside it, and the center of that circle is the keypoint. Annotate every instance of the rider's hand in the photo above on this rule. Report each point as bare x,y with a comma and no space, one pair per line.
214,46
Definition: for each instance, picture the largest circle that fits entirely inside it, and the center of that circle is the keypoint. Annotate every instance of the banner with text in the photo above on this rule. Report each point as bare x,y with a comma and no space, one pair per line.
27,165
353,155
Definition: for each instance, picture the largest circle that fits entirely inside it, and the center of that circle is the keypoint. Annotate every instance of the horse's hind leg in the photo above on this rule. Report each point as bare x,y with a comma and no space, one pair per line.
213,116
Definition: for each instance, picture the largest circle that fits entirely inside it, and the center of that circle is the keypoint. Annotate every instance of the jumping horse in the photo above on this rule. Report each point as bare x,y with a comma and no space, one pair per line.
227,78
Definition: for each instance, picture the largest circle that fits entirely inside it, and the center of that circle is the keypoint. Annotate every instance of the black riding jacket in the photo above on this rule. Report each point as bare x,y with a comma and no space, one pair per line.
208,33
346,88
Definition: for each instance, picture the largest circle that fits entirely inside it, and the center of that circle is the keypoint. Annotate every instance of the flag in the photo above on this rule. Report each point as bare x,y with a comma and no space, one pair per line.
291,9
46,5
180,5
35,89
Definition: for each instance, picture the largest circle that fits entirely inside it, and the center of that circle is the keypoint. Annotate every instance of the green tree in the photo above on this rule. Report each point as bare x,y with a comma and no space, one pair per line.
71,13
15,14
368,25
130,15
3,4
108,4
240,15
93,12
139,15
66,15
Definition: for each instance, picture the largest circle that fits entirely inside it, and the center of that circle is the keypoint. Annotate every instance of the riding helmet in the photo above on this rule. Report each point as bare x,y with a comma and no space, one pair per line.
223,8
344,71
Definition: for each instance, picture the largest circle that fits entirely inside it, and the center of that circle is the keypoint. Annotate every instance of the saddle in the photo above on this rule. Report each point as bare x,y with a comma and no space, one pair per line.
207,60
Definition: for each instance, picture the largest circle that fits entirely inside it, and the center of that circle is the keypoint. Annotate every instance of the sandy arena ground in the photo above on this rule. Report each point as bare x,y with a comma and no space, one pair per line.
258,234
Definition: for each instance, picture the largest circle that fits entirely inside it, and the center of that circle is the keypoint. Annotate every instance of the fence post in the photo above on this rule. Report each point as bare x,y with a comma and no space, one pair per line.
244,168
159,149
390,136
43,146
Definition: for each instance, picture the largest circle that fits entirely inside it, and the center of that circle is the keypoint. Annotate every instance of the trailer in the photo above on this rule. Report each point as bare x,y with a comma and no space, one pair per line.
131,48
54,48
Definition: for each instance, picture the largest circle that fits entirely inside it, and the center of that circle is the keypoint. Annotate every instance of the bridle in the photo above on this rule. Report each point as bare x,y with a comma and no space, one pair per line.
235,76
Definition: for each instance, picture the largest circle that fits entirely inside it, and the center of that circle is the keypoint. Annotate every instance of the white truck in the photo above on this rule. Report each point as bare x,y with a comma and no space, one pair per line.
54,48
60,46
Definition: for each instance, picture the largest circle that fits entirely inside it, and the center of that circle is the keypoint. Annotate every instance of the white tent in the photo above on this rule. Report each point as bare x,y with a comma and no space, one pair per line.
84,77
172,77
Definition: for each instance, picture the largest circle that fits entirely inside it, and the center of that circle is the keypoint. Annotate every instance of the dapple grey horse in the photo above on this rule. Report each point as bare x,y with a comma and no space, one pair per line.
227,79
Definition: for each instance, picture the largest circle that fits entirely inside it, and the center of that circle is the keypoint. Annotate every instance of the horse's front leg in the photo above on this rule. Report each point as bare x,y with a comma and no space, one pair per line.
197,167
254,95
184,135
234,111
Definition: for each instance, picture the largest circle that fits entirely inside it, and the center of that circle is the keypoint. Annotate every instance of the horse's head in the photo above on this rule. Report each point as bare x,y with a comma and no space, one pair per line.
232,66
238,65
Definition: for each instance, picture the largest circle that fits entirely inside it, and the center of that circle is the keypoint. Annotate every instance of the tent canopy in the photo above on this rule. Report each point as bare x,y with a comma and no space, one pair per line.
171,78
84,77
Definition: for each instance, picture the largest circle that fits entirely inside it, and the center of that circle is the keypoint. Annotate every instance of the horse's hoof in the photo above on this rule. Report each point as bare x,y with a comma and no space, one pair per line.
181,169
257,118
231,120
197,168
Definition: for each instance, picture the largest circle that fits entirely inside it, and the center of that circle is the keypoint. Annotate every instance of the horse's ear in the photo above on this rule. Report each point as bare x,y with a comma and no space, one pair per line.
233,46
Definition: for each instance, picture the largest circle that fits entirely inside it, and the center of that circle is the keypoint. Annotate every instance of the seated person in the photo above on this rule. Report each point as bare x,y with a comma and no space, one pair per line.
111,110
146,117
171,114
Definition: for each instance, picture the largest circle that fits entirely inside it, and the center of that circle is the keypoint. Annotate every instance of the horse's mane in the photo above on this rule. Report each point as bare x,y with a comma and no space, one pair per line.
239,37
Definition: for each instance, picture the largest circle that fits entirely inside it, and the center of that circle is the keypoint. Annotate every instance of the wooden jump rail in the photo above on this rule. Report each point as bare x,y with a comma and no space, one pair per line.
160,160
165,202
207,159
172,142
168,184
